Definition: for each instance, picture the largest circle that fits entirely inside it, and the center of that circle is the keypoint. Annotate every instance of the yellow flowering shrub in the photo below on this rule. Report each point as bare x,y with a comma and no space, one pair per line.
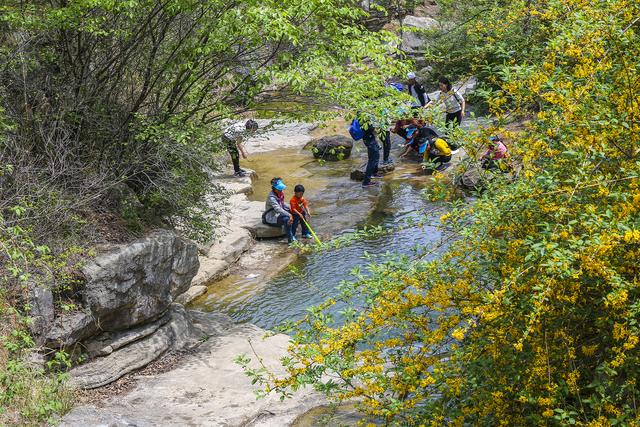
531,317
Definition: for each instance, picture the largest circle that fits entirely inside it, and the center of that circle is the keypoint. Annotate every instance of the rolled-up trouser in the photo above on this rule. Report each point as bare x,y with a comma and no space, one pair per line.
232,148
386,146
284,221
373,154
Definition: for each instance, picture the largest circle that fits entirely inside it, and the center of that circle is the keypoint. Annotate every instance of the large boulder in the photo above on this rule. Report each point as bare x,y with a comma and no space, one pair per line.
137,282
69,328
332,148
413,27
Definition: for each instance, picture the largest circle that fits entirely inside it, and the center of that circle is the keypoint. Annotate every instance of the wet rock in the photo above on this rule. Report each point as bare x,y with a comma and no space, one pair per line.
332,148
109,342
413,39
176,334
472,179
191,294
229,248
210,270
358,174
69,328
136,282
42,311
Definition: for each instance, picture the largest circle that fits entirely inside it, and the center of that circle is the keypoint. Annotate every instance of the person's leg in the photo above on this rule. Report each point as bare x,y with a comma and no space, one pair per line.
386,146
373,156
232,148
284,221
376,158
294,225
305,230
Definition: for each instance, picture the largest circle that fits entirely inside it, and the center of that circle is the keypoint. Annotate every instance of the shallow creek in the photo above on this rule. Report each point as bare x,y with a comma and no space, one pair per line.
338,205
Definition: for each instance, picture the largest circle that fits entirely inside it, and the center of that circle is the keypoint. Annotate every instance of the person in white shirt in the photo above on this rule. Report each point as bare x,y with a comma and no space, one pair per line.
453,102
233,138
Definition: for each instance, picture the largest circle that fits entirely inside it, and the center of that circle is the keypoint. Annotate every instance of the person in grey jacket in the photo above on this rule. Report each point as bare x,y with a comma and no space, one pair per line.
276,212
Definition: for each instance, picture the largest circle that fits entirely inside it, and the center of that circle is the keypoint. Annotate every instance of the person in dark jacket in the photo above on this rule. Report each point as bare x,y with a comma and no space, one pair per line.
276,211
373,157
416,90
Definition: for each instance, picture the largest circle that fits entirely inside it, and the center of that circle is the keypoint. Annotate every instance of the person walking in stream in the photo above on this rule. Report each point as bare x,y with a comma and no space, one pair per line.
454,103
233,138
276,212
300,211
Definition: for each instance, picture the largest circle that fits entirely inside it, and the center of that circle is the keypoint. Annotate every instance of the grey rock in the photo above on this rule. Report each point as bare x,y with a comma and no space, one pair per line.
42,310
358,174
136,282
176,334
332,148
413,39
263,231
108,342
191,294
88,416
69,328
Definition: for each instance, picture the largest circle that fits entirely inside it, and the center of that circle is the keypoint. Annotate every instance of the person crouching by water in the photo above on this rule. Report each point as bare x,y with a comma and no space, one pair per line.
437,151
300,211
496,155
276,212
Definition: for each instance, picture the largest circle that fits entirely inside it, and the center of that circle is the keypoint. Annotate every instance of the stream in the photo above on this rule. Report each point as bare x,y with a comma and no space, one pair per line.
338,205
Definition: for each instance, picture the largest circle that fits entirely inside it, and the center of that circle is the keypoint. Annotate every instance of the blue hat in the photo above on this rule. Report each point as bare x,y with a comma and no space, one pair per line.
279,185
423,147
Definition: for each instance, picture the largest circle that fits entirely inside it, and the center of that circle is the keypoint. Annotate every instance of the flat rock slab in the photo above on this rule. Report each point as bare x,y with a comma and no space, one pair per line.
191,294
101,371
210,270
207,389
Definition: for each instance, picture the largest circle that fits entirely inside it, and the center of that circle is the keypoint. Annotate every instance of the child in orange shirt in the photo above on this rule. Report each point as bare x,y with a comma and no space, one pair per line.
300,207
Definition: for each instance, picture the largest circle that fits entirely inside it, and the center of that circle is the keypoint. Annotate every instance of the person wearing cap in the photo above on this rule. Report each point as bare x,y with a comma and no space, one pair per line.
276,212
415,89
233,138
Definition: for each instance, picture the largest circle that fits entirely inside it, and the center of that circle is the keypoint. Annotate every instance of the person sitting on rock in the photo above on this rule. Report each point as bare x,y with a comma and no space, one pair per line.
300,211
496,155
276,212
435,151
233,138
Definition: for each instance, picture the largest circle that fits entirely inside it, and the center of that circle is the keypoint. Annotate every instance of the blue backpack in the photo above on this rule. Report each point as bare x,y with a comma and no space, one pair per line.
356,131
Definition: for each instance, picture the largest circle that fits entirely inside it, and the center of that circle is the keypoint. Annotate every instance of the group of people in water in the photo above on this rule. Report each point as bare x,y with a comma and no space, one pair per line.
425,140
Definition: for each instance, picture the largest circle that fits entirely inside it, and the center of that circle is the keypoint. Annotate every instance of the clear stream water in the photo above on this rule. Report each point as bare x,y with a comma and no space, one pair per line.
338,205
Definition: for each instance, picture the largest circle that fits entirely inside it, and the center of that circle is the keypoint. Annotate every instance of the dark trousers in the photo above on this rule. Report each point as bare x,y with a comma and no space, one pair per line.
439,160
373,154
386,146
294,227
284,221
232,148
456,118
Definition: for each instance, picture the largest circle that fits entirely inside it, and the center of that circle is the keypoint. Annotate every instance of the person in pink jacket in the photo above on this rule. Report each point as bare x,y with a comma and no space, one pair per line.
496,152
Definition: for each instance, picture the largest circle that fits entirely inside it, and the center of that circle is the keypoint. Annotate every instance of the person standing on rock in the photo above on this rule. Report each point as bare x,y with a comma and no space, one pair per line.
276,212
373,157
233,138
453,102
415,89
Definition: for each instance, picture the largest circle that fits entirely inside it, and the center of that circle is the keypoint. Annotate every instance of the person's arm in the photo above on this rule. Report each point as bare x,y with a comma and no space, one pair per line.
306,208
407,148
273,203
240,145
463,103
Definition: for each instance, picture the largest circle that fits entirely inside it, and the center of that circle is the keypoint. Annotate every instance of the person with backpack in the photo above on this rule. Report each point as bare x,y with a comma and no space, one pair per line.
454,103
233,138
416,90
276,212
368,136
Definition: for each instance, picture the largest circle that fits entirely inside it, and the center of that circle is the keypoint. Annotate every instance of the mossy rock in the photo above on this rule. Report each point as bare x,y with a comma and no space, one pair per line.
332,148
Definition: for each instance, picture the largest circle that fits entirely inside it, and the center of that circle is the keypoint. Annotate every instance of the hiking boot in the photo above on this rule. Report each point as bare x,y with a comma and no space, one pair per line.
369,185
377,176
307,236
240,174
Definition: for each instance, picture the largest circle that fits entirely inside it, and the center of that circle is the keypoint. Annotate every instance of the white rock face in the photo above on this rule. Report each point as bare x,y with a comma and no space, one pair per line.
207,389
412,39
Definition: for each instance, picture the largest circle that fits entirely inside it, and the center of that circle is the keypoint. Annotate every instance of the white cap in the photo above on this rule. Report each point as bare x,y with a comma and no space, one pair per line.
411,75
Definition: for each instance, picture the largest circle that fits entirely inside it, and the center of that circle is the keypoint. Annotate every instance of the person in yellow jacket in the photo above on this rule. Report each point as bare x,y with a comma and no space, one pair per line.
437,151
